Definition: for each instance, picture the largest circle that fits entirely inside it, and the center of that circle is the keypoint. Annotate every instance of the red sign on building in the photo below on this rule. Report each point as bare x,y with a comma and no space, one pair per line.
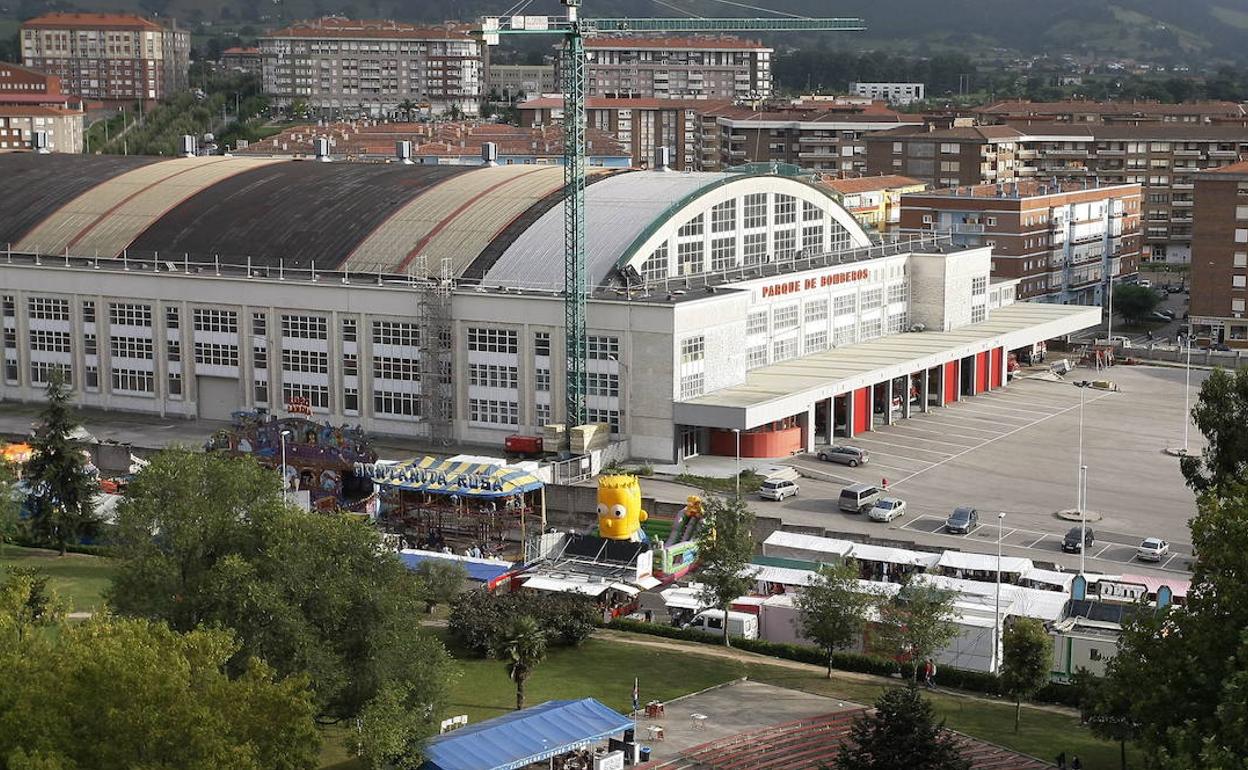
299,405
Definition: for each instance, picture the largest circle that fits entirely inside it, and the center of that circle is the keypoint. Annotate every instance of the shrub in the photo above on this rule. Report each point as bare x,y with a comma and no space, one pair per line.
479,617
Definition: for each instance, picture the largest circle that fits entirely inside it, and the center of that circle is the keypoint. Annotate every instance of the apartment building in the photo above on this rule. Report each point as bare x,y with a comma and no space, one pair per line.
815,137
108,56
1163,158
1061,241
349,67
40,127
1130,112
875,201
700,67
243,59
18,83
1219,279
510,81
893,93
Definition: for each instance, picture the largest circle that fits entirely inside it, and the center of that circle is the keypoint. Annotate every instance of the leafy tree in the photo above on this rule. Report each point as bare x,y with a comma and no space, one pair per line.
1027,658
10,507
1180,675
523,647
917,622
128,693
479,617
1134,303
1220,413
1106,709
27,602
207,539
901,733
725,545
440,582
62,509
832,609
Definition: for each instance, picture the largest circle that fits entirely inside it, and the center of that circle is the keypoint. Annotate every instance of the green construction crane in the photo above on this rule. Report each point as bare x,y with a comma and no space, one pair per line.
574,30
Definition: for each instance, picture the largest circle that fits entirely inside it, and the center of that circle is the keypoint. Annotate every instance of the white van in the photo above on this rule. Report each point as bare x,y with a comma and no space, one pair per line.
741,624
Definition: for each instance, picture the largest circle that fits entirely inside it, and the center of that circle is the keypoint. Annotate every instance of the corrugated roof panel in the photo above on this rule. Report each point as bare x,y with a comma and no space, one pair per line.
617,210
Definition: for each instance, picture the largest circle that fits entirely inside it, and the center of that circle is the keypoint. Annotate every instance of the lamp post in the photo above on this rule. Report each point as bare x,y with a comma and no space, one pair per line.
1083,516
1187,391
285,483
737,435
996,625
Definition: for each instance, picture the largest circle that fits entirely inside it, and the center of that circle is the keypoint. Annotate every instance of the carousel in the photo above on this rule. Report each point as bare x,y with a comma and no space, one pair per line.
454,506
318,459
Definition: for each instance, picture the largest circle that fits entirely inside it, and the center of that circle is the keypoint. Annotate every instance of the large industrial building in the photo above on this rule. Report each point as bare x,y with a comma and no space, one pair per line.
425,301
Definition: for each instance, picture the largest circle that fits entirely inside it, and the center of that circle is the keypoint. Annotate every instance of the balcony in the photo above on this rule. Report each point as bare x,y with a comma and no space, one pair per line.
1223,154
1025,155
1064,154
1181,203
1110,153
967,229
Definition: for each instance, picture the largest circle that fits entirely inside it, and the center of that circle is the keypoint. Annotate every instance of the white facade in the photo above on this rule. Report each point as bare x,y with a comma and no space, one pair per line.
893,93
678,68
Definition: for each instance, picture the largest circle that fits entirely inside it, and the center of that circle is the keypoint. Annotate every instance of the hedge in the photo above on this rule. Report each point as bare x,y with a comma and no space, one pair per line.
947,676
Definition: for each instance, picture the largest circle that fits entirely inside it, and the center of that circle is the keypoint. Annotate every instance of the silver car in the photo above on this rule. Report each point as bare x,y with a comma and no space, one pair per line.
887,509
845,455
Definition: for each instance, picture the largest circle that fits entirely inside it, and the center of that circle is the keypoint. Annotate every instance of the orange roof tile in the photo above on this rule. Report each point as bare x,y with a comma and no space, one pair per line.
34,110
869,183
59,20
241,51
1234,168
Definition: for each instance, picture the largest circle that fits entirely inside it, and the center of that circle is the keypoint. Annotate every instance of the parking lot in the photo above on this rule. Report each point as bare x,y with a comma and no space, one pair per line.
1016,451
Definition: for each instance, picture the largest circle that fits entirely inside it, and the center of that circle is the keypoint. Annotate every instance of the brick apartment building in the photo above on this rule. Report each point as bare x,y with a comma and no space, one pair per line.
243,59
510,81
32,101
1219,281
875,201
1059,240
1162,157
342,66
108,56
700,67
1130,112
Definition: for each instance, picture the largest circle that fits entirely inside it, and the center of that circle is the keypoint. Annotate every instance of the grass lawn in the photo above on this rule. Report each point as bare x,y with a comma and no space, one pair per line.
750,481
80,579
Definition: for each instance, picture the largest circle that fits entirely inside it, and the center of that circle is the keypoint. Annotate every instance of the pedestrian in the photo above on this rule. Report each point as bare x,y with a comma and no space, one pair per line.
884,484
1075,764
1061,761
929,673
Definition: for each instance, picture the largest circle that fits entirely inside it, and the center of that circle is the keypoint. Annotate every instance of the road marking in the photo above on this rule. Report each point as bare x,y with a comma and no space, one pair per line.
1104,549
905,446
991,415
1008,408
1035,542
955,418
942,434
998,438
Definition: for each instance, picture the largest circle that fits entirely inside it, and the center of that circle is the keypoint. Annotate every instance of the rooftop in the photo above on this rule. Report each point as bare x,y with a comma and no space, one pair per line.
696,42
1235,168
34,110
338,27
60,20
1023,188
608,103
241,51
1079,107
869,183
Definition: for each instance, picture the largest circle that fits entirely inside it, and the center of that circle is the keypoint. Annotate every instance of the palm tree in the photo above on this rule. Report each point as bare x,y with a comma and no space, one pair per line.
523,647
407,108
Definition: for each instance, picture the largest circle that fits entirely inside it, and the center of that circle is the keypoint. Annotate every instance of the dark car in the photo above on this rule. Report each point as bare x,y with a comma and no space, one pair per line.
1071,543
962,520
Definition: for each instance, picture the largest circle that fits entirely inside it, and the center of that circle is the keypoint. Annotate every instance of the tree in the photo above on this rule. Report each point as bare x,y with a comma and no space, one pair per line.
1220,413
900,733
1106,709
207,539
1134,303
832,609
1179,677
439,582
27,602
62,509
523,647
917,622
725,545
479,617
1027,657
10,507
112,693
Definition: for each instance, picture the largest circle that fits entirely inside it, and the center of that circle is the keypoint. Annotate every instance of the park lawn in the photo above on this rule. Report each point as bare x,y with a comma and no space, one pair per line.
79,579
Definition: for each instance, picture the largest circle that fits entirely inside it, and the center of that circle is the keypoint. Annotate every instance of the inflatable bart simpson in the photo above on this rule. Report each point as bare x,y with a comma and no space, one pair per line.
619,508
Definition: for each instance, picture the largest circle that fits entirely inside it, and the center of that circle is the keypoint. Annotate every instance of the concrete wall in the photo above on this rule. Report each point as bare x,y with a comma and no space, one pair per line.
940,287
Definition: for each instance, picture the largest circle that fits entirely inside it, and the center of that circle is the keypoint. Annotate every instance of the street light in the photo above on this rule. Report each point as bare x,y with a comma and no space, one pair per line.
737,435
285,483
1187,391
996,625
1083,515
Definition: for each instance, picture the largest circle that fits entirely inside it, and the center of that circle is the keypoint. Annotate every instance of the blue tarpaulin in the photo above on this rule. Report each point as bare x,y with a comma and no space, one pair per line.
532,735
483,570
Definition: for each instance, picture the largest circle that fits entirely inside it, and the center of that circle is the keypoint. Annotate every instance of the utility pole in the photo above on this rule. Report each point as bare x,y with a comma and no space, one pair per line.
573,29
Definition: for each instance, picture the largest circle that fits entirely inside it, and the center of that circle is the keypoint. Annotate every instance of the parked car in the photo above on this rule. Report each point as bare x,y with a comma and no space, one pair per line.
1167,312
1152,549
1116,340
887,509
1159,316
740,624
857,497
1145,283
1174,288
845,455
962,520
777,489
1220,347
1072,542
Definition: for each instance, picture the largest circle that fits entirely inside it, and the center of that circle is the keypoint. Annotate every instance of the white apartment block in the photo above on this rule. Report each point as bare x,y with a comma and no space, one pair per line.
893,93
678,68
343,67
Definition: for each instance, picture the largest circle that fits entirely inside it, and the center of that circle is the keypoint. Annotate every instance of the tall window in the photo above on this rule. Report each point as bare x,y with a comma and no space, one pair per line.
755,211
724,217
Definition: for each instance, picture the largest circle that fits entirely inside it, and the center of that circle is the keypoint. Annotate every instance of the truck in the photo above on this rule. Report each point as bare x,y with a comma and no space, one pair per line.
525,446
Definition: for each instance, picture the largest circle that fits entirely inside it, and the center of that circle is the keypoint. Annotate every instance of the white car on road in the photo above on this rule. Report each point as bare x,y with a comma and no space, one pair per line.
1152,549
887,509
777,489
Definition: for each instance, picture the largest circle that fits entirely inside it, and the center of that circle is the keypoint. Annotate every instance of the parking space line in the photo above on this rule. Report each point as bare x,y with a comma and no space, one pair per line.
1173,556
905,426
1105,548
1035,542
906,446
946,416
983,404
991,415
1003,435
889,467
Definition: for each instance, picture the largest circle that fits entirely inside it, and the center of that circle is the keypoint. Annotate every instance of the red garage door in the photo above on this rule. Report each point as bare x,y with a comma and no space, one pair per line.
981,372
951,382
995,374
862,410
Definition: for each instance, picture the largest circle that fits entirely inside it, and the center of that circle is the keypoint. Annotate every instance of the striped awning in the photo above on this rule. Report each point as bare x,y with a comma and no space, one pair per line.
445,477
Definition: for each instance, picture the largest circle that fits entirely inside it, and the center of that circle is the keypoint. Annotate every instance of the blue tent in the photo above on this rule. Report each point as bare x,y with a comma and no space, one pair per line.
521,738
483,570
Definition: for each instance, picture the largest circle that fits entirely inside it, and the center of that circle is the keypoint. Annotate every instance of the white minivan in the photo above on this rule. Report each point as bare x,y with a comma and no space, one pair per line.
740,624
